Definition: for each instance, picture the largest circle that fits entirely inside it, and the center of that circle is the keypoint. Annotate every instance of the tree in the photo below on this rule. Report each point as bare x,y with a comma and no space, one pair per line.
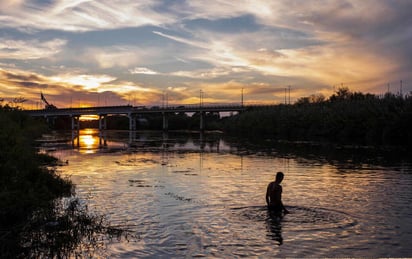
313,98
343,93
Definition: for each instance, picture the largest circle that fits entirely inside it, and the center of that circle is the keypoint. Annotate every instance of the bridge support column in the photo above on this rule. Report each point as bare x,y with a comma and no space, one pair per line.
75,131
132,137
102,139
165,122
75,123
75,138
102,122
132,122
202,121
50,121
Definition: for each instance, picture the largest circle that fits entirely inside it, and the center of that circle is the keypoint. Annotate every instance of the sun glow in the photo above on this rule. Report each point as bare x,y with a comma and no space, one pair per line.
88,140
89,117
88,82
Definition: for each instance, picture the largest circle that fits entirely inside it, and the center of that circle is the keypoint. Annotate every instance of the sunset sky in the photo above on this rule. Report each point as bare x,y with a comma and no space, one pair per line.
114,52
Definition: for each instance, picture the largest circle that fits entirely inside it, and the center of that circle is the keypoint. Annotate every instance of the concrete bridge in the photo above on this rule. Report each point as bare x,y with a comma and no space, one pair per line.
132,112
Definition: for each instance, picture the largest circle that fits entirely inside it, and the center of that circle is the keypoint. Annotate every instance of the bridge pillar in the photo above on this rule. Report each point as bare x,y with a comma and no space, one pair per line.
132,137
75,138
50,121
102,139
132,122
75,123
102,122
165,122
202,122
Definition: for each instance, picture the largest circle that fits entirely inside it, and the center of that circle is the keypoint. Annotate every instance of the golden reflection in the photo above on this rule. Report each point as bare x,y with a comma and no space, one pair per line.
88,140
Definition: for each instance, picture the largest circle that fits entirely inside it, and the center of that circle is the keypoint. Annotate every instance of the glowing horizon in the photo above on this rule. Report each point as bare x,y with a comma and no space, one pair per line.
95,53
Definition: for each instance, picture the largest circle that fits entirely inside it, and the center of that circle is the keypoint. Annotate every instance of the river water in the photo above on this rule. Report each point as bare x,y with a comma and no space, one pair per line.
203,195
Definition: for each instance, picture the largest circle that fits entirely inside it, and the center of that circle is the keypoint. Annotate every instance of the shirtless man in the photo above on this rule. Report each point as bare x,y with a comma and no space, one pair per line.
274,195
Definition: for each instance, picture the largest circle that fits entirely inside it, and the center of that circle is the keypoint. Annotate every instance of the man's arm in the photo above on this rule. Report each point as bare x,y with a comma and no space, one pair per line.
279,199
281,202
267,194
283,207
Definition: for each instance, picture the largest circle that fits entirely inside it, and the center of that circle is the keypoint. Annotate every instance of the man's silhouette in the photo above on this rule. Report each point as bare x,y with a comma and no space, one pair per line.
274,195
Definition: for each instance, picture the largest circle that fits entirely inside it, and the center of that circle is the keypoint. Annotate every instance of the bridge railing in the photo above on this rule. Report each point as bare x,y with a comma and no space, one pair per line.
84,108
126,109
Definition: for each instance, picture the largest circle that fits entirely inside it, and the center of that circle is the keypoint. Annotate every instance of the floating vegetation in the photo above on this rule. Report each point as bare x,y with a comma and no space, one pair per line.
141,183
188,200
136,181
148,185
178,197
137,161
181,171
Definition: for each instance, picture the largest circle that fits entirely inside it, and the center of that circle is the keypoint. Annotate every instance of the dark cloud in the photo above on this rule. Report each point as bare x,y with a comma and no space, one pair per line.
26,81
244,23
383,27
379,28
19,77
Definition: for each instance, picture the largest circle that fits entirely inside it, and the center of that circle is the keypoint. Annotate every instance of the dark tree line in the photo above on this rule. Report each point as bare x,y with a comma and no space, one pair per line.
346,117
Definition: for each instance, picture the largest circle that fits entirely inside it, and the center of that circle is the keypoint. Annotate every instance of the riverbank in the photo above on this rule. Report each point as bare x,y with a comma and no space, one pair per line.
34,219
26,185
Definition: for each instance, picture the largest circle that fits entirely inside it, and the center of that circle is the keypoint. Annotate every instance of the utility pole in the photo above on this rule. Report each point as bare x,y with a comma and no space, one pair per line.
201,98
165,99
289,93
241,99
201,126
400,90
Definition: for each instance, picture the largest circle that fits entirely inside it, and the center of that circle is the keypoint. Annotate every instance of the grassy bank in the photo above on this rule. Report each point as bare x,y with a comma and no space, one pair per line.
34,220
26,185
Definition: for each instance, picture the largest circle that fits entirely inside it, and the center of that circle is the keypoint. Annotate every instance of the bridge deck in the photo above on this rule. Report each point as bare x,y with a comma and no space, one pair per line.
128,109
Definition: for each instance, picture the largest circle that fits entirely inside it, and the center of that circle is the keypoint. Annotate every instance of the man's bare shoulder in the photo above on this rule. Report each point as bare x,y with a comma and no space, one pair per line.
276,186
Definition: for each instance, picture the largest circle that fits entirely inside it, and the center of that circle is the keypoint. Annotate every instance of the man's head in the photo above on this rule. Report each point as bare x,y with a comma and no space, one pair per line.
279,177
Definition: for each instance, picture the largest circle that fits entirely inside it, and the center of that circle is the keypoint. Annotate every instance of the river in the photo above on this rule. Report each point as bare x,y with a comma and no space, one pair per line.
203,195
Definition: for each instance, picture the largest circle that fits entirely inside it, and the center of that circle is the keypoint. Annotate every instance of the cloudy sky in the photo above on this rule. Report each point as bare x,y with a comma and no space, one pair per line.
113,52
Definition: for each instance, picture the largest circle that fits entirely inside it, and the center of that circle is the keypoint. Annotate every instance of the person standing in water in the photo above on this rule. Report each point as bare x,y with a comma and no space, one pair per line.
274,195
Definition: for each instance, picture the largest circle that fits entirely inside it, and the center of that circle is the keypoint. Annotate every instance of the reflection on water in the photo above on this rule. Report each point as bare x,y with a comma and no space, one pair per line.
274,225
88,140
193,195
93,140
